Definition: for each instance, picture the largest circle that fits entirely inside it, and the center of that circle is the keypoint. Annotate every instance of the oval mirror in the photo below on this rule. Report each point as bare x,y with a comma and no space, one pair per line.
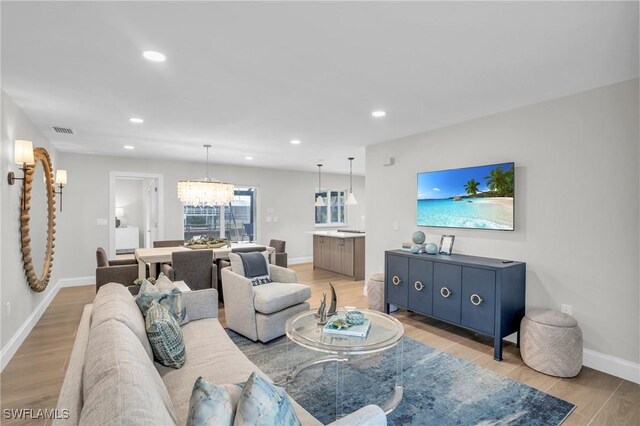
37,221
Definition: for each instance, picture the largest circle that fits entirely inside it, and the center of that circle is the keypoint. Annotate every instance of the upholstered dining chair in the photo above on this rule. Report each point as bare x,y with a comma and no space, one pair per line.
165,243
280,254
168,243
123,271
194,267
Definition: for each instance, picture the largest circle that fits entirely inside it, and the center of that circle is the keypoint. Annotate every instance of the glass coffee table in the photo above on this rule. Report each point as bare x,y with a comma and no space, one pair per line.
385,333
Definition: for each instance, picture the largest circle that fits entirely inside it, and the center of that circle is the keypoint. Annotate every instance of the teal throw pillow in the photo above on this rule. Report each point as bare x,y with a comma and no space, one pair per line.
167,295
264,404
165,336
212,405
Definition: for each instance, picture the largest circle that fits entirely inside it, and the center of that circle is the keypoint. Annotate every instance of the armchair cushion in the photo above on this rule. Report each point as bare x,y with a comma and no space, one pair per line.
238,265
275,297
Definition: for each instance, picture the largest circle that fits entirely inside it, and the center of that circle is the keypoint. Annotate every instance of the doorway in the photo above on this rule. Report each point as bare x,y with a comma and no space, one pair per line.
135,201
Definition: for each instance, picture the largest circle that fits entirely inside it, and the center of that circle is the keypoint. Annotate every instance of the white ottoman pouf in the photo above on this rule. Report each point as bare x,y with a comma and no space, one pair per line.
375,291
551,342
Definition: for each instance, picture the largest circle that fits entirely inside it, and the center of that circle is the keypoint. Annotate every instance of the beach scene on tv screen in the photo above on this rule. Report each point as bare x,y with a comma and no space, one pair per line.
473,197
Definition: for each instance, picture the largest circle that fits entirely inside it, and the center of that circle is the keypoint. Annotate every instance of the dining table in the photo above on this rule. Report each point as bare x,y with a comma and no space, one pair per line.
156,255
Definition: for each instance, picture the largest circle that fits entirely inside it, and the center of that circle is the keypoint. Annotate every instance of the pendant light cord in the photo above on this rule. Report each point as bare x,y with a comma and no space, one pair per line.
207,146
319,179
350,174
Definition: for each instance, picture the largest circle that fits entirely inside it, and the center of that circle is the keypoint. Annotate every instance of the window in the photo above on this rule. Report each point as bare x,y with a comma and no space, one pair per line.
237,224
334,211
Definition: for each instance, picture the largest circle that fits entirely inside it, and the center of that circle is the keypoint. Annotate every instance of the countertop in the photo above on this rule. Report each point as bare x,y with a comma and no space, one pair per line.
338,234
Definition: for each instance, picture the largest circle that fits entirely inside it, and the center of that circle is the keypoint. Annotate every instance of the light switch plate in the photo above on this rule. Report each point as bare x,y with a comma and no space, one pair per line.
102,222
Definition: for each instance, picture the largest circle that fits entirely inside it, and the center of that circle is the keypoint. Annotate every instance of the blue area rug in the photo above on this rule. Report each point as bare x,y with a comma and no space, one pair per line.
439,389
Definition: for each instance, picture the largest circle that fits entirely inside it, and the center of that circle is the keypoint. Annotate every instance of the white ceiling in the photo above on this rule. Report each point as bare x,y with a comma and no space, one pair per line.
249,77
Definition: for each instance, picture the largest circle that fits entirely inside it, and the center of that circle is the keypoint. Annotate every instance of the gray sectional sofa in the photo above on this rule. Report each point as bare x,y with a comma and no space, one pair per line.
112,378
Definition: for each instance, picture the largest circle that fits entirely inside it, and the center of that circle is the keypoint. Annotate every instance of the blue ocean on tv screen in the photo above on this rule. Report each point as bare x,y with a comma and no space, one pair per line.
474,197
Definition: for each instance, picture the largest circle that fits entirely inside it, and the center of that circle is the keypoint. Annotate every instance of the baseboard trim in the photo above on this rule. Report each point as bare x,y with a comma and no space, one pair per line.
12,346
612,365
77,281
299,260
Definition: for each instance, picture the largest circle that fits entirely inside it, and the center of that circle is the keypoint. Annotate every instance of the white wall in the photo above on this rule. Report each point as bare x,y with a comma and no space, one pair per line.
130,196
14,288
288,193
577,204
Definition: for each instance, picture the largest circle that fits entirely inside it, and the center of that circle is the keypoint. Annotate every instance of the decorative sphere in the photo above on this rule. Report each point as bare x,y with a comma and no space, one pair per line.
418,237
431,248
415,249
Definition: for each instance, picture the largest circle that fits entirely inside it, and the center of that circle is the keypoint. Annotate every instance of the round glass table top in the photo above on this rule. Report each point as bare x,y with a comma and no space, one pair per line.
385,332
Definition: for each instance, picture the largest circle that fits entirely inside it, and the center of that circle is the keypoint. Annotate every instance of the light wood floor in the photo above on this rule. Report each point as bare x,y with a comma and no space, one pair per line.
34,376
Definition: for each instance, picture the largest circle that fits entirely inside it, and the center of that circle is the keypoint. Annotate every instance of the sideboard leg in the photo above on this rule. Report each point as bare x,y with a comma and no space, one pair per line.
497,348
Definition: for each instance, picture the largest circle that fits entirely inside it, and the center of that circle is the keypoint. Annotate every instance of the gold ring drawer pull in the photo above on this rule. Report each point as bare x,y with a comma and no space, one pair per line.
418,285
396,280
445,292
475,299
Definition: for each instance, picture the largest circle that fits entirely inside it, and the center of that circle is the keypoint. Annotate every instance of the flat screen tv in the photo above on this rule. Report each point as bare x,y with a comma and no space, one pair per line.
480,197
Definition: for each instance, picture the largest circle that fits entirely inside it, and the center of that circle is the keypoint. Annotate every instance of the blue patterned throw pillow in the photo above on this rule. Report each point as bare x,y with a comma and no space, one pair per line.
264,404
165,336
212,405
168,296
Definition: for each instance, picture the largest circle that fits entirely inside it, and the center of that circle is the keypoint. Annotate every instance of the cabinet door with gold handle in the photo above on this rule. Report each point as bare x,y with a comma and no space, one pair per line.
396,278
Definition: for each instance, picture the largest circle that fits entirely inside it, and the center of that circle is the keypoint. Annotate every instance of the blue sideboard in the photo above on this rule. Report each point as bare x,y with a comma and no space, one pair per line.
480,294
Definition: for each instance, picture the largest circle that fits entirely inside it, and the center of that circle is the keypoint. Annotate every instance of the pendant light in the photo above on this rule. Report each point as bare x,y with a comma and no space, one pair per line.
319,200
205,192
351,199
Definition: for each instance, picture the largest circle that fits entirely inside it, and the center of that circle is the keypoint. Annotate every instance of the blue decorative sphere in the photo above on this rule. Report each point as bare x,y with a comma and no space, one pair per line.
418,237
431,248
415,249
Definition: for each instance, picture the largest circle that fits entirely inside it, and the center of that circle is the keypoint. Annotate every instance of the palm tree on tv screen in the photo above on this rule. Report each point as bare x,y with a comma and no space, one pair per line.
501,181
472,187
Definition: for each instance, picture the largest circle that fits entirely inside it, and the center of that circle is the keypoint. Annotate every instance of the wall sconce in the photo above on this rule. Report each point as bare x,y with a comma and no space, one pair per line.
61,181
23,154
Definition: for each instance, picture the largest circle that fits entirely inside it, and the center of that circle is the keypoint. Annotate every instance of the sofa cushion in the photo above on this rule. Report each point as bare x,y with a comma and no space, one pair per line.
120,384
165,336
212,405
217,359
166,294
264,404
275,297
114,301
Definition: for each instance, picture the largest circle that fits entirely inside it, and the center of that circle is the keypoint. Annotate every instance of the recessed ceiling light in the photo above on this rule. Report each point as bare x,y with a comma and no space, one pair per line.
248,158
295,142
378,114
136,120
129,147
154,56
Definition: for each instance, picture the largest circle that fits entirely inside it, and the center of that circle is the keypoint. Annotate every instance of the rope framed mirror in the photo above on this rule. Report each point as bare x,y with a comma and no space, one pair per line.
41,159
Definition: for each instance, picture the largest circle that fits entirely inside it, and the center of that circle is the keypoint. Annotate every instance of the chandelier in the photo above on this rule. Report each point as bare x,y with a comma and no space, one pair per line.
205,192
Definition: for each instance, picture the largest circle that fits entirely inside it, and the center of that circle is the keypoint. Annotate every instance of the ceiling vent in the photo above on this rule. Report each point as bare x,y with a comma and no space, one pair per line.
63,130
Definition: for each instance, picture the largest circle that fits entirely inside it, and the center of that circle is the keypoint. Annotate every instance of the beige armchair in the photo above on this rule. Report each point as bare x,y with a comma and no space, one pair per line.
260,312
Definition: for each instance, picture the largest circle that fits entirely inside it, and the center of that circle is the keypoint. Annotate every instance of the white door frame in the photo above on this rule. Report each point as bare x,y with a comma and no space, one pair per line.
112,203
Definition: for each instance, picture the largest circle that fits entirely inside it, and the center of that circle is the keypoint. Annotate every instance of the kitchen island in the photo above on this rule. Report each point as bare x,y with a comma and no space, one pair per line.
340,251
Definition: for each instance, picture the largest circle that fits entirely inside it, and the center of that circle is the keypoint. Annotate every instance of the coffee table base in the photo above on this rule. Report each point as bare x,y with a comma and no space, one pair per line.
390,405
